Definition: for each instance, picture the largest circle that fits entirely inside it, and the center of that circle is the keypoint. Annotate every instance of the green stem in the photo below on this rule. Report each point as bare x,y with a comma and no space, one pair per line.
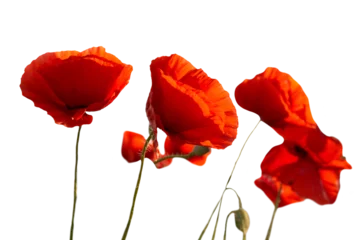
219,210
137,187
185,156
226,222
228,181
75,184
240,153
239,199
277,201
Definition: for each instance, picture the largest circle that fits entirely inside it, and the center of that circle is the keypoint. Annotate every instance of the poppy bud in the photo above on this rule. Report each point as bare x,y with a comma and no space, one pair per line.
199,151
241,218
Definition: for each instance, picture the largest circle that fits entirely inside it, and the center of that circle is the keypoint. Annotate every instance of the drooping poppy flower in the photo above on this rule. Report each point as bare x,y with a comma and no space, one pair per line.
302,172
132,143
68,84
189,106
176,147
281,102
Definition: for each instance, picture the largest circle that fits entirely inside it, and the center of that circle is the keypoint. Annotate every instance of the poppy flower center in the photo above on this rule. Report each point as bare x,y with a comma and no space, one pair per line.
299,151
76,107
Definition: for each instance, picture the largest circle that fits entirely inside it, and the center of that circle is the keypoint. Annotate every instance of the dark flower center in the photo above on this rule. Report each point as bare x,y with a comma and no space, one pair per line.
75,107
299,151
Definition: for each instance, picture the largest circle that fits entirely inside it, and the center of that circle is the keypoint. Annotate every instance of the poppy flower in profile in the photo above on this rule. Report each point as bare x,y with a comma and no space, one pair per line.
281,102
303,173
189,106
132,143
175,147
68,84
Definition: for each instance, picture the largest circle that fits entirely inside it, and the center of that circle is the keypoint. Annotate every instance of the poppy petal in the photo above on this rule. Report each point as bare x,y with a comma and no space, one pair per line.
132,145
277,98
82,78
322,147
320,186
277,157
186,104
270,186
175,146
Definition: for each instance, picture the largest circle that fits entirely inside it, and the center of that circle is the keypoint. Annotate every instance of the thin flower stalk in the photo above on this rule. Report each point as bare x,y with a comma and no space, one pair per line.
75,185
273,216
136,191
228,182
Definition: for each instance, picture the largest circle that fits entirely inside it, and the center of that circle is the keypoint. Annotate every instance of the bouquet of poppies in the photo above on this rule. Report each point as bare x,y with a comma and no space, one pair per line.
196,114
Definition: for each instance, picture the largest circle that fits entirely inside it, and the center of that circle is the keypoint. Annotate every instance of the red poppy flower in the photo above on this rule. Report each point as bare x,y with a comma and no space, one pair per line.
281,102
302,172
189,106
132,143
173,146
70,83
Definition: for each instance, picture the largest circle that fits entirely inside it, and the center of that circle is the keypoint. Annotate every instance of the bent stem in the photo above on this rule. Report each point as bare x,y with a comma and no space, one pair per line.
137,187
75,184
186,156
227,183
277,201
226,222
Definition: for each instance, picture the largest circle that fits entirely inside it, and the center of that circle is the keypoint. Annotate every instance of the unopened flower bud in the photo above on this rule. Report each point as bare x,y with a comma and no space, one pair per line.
242,220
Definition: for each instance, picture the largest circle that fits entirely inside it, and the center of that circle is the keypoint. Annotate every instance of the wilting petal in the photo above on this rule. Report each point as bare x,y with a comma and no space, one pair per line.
270,186
186,104
132,145
277,98
66,84
175,146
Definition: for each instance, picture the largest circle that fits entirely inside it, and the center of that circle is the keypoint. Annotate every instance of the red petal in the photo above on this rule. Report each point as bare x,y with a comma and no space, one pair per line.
132,146
320,186
186,104
175,146
277,157
277,98
321,147
66,83
270,186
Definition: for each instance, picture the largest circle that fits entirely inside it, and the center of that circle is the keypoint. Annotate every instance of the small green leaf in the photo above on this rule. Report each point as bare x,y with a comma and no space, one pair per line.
241,218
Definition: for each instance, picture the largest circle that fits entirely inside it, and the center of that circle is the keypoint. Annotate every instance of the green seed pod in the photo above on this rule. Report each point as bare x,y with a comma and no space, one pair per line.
242,220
